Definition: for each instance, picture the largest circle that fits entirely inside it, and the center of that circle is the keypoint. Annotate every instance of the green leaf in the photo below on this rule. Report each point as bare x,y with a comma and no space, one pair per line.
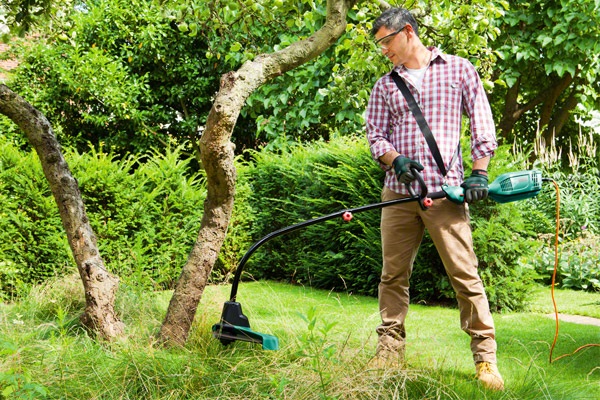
544,40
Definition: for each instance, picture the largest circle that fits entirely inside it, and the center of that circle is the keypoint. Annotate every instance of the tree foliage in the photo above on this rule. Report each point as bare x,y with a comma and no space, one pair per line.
548,64
330,94
156,67
133,80
22,15
138,73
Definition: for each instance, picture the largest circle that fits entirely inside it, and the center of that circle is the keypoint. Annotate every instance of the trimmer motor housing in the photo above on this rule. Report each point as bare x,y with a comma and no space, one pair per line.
513,186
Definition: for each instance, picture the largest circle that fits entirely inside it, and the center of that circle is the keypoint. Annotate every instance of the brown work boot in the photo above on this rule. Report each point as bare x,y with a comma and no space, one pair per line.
389,354
489,376
386,359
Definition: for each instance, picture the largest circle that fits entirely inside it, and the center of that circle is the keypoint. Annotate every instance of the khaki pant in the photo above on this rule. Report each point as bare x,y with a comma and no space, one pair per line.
402,228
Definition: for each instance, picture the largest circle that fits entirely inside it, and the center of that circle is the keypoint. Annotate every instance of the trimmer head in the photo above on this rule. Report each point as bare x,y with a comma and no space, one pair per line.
234,326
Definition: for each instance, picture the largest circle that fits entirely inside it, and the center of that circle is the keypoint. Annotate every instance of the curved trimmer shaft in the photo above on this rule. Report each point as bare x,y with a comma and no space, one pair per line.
423,198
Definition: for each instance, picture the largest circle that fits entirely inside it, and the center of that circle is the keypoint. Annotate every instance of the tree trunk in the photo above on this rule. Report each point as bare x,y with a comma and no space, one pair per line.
511,108
549,105
99,285
561,116
548,108
548,98
217,152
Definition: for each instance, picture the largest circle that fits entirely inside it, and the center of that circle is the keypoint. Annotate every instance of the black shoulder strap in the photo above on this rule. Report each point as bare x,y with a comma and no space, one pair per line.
414,107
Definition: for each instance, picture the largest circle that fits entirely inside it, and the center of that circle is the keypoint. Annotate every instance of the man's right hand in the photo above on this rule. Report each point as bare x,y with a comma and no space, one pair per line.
402,167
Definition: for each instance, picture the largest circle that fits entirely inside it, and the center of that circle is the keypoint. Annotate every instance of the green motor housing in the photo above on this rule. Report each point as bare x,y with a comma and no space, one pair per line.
511,186
514,186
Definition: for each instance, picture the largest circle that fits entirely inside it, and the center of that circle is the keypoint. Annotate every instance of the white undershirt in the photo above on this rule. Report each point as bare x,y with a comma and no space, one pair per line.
417,76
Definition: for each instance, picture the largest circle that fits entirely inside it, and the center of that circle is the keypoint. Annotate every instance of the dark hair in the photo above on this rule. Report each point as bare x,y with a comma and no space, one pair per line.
394,19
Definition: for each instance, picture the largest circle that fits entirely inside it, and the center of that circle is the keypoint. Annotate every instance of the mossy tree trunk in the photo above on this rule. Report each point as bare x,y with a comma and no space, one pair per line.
100,286
217,153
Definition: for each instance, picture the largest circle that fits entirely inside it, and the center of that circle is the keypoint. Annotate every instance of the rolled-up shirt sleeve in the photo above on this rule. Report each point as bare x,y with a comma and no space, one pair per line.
377,119
477,108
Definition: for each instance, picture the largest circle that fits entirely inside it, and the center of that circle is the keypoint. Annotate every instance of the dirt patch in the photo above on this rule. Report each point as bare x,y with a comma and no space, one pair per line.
6,65
576,319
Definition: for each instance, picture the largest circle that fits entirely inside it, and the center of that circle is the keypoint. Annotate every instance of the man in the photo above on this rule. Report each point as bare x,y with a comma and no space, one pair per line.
445,87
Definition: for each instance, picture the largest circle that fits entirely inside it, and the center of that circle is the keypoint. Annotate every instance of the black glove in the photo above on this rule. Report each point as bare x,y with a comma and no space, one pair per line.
402,168
476,186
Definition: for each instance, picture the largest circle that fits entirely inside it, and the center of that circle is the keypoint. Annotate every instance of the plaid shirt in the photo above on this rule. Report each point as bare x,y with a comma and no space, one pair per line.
451,86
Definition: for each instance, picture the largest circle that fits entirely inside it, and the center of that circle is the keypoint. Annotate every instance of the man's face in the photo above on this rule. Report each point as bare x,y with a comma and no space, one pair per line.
393,44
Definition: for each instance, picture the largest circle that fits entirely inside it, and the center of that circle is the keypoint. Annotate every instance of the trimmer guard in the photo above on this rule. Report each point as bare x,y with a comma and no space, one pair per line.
234,326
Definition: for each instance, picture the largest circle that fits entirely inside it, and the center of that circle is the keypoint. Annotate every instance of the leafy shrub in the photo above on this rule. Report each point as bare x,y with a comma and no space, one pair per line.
578,264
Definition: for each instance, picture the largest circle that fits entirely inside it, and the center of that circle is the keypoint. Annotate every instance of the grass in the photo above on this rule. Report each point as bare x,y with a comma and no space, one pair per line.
45,354
568,302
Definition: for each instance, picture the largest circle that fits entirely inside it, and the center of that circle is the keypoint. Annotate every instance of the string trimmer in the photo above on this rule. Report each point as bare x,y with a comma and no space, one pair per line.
234,325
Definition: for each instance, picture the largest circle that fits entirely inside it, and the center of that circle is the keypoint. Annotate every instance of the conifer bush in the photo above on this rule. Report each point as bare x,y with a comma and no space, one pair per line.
33,246
310,182
145,211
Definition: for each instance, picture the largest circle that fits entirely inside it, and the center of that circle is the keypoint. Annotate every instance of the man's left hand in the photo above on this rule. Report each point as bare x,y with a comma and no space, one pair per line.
476,186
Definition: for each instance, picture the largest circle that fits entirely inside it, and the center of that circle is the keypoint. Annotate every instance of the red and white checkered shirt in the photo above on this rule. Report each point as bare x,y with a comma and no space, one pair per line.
451,86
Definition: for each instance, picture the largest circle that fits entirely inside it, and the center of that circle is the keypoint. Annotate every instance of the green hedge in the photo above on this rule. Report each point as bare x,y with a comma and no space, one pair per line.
320,179
310,182
145,212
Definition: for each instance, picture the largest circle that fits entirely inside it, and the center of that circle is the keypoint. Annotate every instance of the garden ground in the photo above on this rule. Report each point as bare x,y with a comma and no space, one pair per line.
326,342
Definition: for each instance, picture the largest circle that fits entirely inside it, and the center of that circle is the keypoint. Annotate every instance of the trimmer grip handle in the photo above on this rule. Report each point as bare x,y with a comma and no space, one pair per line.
424,201
455,194
421,182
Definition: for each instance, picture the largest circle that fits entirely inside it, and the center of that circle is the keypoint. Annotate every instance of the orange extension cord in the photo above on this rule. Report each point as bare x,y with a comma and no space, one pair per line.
554,280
